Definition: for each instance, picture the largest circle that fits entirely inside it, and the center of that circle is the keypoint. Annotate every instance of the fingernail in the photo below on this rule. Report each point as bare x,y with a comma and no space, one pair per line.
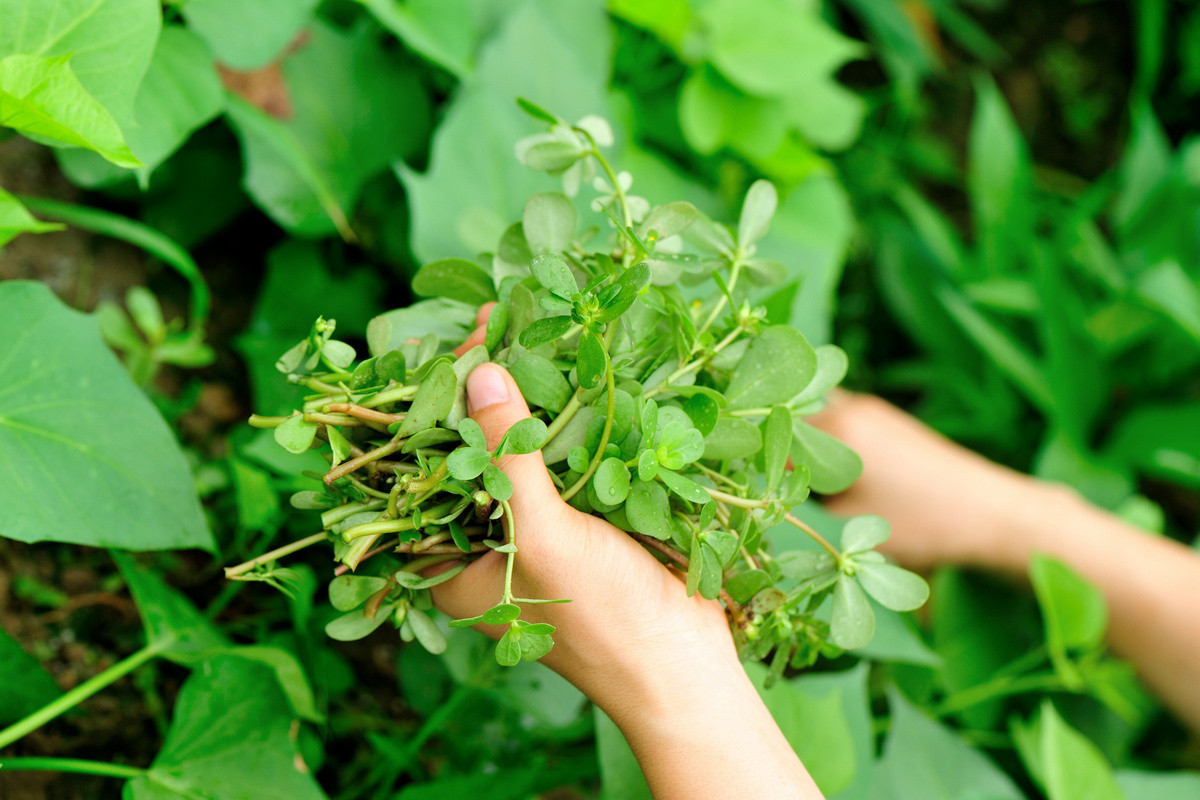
486,386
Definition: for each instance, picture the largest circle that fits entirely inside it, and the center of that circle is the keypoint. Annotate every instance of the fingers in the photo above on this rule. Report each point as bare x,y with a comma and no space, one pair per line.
480,333
485,310
495,402
476,338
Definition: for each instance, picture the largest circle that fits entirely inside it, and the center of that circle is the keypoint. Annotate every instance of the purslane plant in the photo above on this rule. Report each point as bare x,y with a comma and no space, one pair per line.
675,414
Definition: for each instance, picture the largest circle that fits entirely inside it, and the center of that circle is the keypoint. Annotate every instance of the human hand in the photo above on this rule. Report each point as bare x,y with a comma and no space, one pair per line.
629,620
946,504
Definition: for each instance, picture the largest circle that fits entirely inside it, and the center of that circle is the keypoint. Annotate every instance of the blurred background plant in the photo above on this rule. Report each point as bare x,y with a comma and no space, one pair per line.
993,206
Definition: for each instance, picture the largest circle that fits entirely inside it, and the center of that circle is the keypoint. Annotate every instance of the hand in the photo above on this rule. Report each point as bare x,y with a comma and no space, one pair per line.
946,503
660,663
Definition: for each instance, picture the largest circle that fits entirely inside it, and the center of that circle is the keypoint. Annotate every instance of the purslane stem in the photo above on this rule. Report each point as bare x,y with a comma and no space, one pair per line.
277,553
512,557
77,695
610,412
560,422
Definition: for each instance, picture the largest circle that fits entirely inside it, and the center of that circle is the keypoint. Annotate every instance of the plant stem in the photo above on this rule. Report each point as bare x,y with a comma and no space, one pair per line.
734,272
995,688
138,235
818,538
77,695
610,412
560,422
361,461
76,765
277,553
512,557
362,412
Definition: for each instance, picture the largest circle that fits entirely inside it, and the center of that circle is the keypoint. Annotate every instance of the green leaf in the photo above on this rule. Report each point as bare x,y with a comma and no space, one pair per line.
757,211
455,279
246,36
354,625
296,434
777,443
763,45
832,465
683,486
611,481
892,587
308,171
426,631
1067,764
864,533
15,220
592,361
924,760
703,411
472,434
70,409
549,226
508,649
1075,613
779,363
42,97
1180,785
181,92
525,436
24,685
852,623
553,273
109,43
435,398
447,320
240,747
999,179
460,208
732,437
799,709
174,627
545,330
497,483
467,463
1168,288
348,592
648,509
832,365
497,327
540,382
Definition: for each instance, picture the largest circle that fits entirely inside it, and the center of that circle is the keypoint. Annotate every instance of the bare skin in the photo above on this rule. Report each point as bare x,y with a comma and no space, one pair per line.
661,664
948,505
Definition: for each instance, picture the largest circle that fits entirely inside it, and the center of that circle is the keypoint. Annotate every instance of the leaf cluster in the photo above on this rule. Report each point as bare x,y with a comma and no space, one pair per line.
672,413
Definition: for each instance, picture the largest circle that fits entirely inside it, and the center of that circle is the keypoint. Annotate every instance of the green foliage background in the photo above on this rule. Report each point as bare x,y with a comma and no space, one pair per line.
993,206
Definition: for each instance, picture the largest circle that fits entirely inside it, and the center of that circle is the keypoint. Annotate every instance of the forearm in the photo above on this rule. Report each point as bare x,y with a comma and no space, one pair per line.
701,732
1151,584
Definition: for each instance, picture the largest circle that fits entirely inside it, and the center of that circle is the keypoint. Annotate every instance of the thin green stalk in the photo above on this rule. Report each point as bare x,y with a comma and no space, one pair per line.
996,688
560,422
734,272
610,412
512,557
138,235
77,695
76,765
277,553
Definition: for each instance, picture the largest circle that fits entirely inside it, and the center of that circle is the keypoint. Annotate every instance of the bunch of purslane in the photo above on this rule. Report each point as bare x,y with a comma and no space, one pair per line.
663,401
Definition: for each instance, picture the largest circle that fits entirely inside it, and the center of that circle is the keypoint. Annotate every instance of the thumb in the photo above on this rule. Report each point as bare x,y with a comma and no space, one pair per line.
495,402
